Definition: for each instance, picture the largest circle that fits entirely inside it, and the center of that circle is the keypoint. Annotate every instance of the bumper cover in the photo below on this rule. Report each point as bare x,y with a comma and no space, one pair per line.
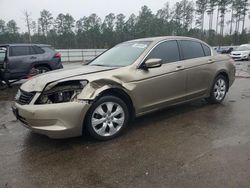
62,120
239,57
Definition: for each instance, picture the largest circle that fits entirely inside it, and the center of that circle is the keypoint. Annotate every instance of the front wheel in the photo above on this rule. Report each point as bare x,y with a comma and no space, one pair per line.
219,90
107,118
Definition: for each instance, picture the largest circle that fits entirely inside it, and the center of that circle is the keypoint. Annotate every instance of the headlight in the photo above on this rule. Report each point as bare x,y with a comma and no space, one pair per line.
62,92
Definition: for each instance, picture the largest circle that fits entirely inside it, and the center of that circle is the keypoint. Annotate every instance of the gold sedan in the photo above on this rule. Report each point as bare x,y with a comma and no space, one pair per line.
127,81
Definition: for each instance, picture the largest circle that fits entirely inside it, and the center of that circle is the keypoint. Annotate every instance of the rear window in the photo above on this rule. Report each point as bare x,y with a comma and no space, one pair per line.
48,48
207,50
38,50
191,49
32,50
19,50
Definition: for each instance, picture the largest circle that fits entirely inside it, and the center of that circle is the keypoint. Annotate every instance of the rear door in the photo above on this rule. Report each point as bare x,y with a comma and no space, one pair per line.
162,86
197,61
20,61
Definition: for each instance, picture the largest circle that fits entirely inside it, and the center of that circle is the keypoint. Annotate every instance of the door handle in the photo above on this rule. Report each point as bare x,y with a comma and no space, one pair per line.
32,57
210,61
180,67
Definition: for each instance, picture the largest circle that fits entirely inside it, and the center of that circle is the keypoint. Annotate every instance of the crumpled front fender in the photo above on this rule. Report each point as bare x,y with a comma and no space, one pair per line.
95,88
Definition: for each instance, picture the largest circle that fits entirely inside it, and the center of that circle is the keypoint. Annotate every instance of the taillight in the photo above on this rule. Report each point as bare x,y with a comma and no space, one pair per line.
57,55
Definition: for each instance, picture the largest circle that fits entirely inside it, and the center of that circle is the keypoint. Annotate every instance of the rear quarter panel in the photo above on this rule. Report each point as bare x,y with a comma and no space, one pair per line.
222,64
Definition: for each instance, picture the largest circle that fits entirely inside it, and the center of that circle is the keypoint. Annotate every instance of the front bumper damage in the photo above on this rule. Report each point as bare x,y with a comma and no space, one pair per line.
61,120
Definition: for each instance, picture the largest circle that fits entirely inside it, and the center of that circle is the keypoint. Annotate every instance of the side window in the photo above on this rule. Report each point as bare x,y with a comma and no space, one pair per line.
2,55
167,51
19,50
206,49
191,49
32,50
38,50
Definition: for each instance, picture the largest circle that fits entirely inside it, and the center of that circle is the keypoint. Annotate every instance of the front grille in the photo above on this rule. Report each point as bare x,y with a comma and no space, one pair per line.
25,97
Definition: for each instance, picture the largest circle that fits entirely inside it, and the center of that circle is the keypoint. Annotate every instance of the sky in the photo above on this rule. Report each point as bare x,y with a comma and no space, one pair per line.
13,9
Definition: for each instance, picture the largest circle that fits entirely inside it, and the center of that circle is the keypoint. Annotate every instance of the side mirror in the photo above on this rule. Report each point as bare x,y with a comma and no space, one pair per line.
153,63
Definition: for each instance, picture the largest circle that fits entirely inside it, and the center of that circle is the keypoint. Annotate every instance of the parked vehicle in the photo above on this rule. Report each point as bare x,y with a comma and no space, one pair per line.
241,53
2,58
4,83
224,50
127,81
24,60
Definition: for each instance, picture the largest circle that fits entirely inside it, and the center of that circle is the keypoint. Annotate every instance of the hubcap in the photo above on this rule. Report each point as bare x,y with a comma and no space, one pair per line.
220,89
108,119
40,71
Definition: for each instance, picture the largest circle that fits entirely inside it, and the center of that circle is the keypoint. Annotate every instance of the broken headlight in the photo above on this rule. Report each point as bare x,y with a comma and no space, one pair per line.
61,92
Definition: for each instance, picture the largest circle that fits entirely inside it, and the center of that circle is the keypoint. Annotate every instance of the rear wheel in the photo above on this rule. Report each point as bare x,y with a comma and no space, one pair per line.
42,69
219,90
107,118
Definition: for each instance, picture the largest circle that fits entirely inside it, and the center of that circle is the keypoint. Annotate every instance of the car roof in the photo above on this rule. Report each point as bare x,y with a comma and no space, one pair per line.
24,44
161,38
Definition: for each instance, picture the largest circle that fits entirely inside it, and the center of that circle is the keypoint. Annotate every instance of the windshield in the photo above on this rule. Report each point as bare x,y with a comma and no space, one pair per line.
243,48
121,55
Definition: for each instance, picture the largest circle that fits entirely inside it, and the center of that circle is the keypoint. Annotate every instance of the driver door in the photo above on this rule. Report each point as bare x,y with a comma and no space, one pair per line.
161,86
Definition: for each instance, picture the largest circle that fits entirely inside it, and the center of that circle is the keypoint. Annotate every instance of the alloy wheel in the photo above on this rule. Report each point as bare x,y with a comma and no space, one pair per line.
220,89
107,119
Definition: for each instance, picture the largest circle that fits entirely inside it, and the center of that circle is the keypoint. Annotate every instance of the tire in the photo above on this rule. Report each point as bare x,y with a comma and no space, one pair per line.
42,69
107,118
218,91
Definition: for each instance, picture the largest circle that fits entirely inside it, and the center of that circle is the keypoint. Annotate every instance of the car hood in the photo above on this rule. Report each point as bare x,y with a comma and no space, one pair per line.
37,84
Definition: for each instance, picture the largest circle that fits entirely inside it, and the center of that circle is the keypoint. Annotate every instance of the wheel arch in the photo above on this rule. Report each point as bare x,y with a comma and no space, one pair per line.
120,93
96,89
225,74
42,64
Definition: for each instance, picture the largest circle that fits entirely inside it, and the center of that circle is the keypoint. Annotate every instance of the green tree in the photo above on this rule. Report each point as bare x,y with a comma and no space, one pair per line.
64,25
201,7
223,8
143,25
164,13
59,24
245,5
130,27
28,20
188,14
45,21
2,26
120,28
12,27
107,29
211,7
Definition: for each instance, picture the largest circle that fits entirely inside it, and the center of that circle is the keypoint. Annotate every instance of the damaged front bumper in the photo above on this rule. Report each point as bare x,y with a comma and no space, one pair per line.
61,120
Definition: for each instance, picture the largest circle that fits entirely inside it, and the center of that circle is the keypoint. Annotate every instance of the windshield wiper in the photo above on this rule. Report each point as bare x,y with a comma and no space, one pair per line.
97,65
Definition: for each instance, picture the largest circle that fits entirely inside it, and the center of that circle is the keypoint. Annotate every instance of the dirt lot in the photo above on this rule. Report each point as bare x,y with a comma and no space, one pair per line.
193,145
